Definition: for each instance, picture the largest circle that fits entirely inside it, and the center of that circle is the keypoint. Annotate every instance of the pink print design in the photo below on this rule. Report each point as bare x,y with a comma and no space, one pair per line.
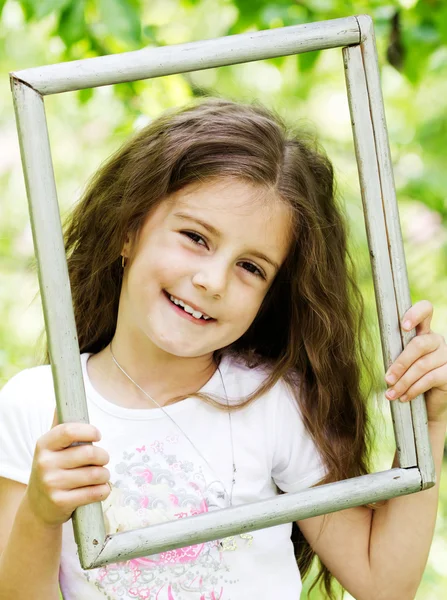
202,509
170,596
174,500
157,446
172,439
136,574
182,492
146,474
102,573
144,502
141,594
213,595
179,555
181,515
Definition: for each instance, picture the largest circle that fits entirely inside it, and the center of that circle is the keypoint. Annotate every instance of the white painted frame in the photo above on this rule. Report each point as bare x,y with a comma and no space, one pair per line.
355,35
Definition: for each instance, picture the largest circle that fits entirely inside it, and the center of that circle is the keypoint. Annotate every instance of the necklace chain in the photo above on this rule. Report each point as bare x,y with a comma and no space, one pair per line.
177,425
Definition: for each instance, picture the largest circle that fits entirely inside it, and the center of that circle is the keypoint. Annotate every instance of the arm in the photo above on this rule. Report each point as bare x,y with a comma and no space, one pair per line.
63,477
29,562
381,554
388,548
402,531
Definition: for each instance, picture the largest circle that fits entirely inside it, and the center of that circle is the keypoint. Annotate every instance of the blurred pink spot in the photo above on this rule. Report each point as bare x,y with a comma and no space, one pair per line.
146,474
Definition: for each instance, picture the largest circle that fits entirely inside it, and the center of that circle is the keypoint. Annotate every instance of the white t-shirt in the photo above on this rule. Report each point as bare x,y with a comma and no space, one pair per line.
158,475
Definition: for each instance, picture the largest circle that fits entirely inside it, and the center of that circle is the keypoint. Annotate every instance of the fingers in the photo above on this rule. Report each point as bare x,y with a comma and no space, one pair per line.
69,479
82,455
419,378
67,472
419,316
425,383
64,435
66,501
423,362
54,455
418,347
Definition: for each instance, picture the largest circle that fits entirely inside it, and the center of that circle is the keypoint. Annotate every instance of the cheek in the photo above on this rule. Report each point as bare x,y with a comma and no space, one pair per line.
164,263
247,309
175,252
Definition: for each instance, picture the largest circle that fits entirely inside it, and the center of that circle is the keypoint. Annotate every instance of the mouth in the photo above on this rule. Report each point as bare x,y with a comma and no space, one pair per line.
187,311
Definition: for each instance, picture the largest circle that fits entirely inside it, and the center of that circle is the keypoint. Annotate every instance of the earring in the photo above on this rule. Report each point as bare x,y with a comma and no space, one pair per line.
123,261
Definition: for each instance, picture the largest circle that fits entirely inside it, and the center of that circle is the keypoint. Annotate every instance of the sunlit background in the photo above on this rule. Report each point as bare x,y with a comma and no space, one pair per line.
308,91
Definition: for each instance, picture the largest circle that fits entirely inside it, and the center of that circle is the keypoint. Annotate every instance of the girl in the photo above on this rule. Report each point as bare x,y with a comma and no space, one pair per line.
218,324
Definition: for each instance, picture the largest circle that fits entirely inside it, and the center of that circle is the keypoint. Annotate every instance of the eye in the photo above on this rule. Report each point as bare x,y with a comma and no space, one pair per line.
194,237
254,269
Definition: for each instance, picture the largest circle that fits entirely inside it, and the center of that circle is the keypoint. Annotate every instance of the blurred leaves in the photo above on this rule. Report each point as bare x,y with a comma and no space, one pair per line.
121,18
88,125
71,26
38,9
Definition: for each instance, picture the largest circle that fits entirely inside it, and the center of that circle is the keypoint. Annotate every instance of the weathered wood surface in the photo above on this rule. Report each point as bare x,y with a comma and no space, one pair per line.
54,286
194,56
258,515
395,242
370,185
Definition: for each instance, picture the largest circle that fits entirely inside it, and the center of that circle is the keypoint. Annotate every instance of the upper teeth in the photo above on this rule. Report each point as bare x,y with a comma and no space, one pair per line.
188,309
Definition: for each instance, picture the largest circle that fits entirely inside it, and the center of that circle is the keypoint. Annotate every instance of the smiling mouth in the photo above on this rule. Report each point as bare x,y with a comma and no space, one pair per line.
188,310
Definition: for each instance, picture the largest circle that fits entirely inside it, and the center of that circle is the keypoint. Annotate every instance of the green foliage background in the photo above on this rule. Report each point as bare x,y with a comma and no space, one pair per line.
308,90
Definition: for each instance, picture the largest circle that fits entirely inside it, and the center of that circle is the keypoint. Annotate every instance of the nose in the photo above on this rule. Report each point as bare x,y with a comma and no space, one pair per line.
211,276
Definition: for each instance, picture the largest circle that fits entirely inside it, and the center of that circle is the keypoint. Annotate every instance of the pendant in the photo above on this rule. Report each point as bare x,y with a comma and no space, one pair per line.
229,543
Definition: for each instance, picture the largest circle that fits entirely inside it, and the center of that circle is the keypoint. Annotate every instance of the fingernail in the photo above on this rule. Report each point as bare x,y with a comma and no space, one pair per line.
407,325
390,393
391,379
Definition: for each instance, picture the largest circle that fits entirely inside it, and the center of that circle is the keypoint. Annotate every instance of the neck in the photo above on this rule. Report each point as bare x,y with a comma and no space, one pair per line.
161,375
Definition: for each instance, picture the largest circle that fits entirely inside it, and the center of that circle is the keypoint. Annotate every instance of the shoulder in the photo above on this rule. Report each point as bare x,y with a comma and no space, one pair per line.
29,396
245,378
34,379
295,460
279,404
34,382
27,405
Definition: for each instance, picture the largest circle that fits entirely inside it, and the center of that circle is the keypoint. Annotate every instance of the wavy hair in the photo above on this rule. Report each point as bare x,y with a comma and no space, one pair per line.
310,327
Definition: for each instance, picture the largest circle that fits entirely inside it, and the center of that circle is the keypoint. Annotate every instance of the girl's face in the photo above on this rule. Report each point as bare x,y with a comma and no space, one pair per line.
214,246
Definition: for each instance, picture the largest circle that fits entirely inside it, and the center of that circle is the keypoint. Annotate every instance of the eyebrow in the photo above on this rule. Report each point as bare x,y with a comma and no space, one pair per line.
217,233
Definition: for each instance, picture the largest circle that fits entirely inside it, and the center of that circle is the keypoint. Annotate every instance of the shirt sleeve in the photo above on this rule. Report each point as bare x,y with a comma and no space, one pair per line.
297,464
26,413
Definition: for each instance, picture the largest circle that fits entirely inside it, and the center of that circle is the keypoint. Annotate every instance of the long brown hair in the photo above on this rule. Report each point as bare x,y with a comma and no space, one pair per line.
309,328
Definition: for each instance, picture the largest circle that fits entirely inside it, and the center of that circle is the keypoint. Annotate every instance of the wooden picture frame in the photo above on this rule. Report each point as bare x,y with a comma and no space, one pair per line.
355,35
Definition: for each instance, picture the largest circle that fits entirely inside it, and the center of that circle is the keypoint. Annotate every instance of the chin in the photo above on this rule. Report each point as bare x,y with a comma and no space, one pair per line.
179,348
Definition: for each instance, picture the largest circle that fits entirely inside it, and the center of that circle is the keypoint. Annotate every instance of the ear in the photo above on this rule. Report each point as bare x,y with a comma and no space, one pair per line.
125,251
